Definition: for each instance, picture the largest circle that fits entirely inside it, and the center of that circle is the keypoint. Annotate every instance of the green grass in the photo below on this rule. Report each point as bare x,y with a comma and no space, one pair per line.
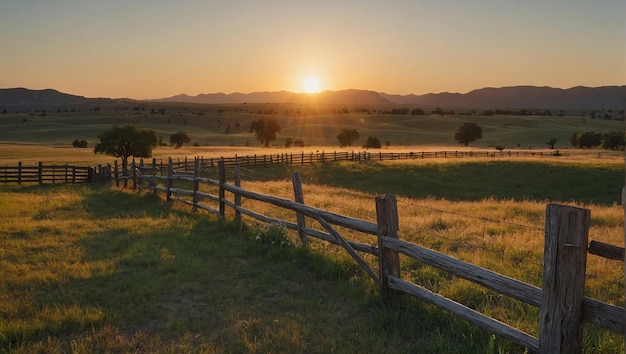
97,270
206,125
474,180
92,269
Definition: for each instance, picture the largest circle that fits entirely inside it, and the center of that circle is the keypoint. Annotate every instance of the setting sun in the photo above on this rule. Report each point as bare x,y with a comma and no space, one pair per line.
311,84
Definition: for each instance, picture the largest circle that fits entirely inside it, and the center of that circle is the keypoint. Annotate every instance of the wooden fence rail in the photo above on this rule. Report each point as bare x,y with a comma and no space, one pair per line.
43,174
561,302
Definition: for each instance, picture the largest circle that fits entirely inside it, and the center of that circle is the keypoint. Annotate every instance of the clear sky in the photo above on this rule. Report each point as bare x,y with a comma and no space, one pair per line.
156,48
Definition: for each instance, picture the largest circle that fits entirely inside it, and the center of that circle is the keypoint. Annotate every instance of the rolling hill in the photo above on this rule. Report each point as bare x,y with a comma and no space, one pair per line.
517,97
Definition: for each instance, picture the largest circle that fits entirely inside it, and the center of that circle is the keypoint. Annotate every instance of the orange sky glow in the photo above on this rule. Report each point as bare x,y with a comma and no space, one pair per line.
154,49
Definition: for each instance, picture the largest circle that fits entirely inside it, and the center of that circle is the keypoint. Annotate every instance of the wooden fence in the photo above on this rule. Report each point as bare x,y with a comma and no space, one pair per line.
323,156
43,174
563,306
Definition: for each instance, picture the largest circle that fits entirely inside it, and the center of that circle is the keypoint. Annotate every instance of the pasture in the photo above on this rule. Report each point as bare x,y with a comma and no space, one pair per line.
227,125
88,268
98,269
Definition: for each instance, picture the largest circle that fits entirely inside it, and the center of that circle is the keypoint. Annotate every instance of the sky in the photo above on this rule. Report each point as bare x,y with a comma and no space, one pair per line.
156,48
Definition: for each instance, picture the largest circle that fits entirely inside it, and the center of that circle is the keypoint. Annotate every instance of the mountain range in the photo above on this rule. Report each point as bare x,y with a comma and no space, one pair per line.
516,97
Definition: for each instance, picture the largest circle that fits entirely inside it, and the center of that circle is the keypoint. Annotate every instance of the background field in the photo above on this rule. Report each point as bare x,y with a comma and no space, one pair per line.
228,126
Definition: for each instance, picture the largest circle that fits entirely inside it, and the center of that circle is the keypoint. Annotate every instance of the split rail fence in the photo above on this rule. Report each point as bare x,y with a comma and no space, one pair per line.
117,172
563,306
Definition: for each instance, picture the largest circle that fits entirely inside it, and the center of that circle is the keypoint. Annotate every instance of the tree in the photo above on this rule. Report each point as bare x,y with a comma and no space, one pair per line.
265,130
126,141
589,139
79,143
178,139
613,140
348,136
551,142
372,142
288,142
468,133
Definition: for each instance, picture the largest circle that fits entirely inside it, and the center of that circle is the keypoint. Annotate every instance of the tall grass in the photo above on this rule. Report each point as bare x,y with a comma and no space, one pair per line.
88,269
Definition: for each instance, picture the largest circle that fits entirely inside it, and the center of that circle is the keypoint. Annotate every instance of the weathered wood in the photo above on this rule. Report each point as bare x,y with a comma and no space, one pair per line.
299,198
237,196
501,329
508,286
604,315
333,218
389,259
565,257
40,173
222,194
606,250
348,248
196,183
170,171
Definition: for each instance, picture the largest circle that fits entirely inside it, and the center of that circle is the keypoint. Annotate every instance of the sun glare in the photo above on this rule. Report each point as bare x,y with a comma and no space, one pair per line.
312,84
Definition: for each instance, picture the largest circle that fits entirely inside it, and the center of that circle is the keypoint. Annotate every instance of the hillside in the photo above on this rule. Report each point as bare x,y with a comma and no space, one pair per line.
518,97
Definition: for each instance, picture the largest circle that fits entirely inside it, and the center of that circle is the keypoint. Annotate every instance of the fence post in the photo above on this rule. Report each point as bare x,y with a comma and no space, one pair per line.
389,260
133,166
565,256
40,173
196,183
19,172
222,194
237,196
170,171
299,198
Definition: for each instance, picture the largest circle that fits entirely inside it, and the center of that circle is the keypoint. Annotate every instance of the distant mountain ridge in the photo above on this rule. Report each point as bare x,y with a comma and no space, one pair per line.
515,97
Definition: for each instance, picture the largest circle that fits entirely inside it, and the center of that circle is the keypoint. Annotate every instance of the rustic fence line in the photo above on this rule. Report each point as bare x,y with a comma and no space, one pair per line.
42,174
118,172
303,158
561,302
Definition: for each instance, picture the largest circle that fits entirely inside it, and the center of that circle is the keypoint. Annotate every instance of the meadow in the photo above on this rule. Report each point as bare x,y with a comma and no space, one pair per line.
99,269
227,125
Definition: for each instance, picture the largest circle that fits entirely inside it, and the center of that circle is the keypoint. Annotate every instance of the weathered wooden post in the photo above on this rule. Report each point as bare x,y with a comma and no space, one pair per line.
237,195
40,173
389,260
19,172
170,172
133,167
299,198
222,194
196,183
154,171
565,257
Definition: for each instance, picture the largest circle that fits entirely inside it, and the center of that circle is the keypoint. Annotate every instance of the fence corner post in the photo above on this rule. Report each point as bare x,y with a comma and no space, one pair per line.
196,183
222,194
299,198
170,172
565,256
237,195
389,260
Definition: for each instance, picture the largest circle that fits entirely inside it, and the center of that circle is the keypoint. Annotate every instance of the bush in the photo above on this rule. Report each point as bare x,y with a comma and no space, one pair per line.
79,143
372,142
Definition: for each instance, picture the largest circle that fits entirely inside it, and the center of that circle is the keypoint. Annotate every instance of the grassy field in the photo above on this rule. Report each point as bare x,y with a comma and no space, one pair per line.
93,269
222,125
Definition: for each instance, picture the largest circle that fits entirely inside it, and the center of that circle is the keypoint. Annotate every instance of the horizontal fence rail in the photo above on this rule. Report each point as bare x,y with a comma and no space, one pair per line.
561,302
43,174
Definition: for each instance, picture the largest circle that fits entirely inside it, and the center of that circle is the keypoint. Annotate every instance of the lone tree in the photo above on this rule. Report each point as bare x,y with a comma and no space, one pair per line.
178,139
468,132
265,130
126,141
347,137
372,142
551,142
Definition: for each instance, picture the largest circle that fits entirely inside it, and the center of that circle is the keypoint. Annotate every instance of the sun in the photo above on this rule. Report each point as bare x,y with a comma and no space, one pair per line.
312,84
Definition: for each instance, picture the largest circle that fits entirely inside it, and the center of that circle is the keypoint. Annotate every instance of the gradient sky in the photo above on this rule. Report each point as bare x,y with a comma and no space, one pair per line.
156,48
